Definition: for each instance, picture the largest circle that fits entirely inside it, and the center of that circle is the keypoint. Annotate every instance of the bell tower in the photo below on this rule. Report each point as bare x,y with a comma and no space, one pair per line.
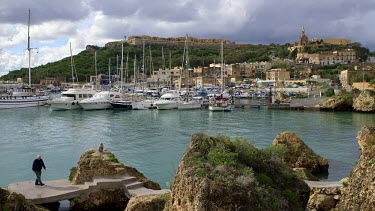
303,39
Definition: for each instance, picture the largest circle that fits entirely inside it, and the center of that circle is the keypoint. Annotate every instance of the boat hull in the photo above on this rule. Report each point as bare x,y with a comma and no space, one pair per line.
166,106
96,106
62,106
183,106
20,102
126,105
143,105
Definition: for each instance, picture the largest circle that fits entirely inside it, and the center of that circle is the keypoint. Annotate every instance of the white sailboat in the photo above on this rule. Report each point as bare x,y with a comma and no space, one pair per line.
23,96
69,99
187,103
220,103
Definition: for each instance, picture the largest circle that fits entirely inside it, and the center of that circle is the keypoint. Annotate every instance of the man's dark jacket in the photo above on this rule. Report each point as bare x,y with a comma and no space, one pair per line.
38,164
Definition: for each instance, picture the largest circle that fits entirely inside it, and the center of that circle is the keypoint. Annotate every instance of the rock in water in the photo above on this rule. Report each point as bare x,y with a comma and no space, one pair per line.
359,192
216,173
94,163
298,155
148,203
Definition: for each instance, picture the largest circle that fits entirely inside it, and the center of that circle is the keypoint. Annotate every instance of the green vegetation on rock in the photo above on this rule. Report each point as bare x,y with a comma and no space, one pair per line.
247,177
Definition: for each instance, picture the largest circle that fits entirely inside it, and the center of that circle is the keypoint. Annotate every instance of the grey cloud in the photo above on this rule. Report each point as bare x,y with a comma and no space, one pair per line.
16,11
163,10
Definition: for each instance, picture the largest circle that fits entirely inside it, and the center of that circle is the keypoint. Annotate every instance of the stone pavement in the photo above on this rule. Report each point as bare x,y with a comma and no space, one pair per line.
323,184
58,190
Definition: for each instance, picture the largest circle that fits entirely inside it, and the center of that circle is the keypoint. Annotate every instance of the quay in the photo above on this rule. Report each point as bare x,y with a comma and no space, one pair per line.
59,190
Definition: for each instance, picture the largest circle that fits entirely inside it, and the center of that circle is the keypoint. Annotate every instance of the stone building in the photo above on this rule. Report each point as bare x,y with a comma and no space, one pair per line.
346,77
346,56
278,75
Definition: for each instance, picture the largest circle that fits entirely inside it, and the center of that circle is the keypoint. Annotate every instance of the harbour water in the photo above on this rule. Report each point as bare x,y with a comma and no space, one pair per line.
154,141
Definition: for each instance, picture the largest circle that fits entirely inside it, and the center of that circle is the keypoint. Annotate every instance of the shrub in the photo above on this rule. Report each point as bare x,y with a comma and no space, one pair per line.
330,92
72,173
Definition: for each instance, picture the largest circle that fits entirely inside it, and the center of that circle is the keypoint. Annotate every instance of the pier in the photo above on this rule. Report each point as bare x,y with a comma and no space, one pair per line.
59,190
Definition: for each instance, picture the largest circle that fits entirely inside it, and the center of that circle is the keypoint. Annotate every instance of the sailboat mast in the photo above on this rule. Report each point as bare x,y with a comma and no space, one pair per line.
143,61
187,67
122,66
96,73
135,77
71,61
28,47
222,68
170,67
109,72
127,67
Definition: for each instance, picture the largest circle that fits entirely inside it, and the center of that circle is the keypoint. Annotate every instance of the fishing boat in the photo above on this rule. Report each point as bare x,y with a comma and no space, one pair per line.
23,96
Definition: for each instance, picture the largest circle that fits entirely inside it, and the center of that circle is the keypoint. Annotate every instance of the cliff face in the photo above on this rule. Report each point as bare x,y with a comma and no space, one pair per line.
218,174
15,201
364,102
298,155
359,193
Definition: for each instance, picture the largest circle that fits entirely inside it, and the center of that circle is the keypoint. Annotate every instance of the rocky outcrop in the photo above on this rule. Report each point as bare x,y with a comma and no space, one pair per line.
108,199
148,203
102,162
323,199
337,104
94,163
359,193
218,174
365,102
304,174
15,201
298,155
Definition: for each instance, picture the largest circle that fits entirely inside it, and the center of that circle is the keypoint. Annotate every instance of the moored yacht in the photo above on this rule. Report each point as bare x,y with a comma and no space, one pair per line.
101,100
194,103
168,101
70,99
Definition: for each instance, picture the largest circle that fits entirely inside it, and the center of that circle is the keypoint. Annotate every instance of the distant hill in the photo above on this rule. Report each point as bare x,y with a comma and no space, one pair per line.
199,55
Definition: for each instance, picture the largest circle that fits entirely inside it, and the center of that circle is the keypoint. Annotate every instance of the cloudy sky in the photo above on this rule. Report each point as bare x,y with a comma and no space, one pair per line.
54,24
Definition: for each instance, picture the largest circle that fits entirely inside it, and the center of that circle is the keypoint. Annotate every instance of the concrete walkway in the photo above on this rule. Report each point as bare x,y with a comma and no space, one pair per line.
58,190
323,184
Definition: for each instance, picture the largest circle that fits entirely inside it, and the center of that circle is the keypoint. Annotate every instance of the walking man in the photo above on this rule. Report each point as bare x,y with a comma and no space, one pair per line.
37,168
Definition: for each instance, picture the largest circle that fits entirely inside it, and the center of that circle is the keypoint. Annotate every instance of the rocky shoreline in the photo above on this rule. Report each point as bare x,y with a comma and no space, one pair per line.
217,173
363,102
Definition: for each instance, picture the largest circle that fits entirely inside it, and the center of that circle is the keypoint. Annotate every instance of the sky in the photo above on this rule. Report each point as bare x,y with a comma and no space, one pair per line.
55,24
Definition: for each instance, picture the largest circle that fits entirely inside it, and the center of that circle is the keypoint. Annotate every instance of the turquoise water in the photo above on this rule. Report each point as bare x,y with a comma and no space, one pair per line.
154,141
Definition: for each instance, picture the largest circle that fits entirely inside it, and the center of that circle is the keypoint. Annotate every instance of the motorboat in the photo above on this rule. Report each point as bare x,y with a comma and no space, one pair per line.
168,101
101,100
69,99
